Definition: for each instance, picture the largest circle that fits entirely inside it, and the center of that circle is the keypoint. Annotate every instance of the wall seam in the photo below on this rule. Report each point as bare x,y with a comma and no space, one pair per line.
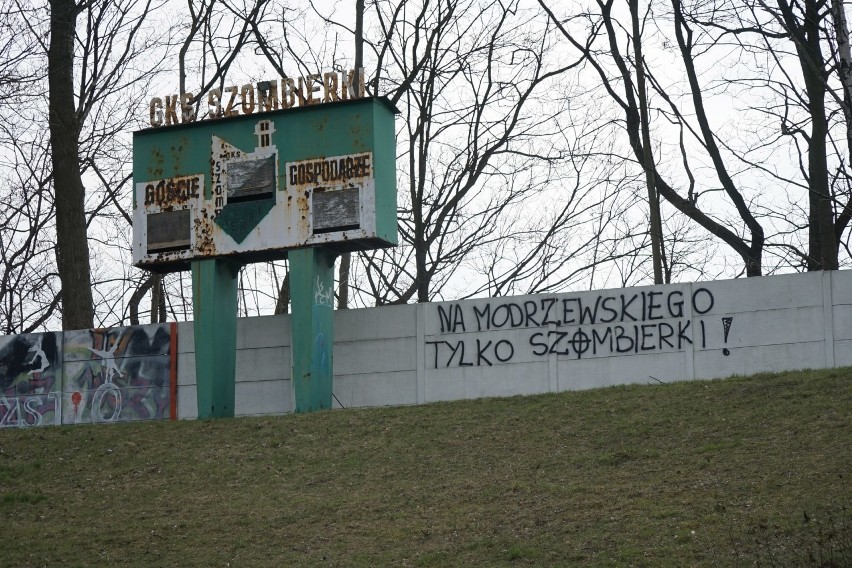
420,363
828,317
552,365
690,348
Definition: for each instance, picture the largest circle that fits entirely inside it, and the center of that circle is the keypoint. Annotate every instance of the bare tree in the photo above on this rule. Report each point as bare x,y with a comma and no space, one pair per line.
604,27
467,77
80,98
574,229
28,283
72,247
81,71
656,229
783,63
346,257
507,185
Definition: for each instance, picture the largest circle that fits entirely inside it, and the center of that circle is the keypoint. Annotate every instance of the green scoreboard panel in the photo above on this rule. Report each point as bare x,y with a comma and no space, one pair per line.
254,186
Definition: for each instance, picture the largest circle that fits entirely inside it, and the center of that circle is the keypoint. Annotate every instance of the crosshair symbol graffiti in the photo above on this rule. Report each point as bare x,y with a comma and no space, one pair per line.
580,342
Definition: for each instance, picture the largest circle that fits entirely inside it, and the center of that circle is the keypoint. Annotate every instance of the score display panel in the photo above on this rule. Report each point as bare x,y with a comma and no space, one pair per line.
255,186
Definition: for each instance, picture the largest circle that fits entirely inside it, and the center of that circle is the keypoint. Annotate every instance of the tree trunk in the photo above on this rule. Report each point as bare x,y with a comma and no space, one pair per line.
844,52
283,295
752,254
420,253
343,281
136,298
72,247
653,200
823,246
346,257
158,300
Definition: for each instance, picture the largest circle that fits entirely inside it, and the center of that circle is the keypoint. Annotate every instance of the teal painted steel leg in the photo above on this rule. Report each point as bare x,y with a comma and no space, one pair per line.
214,295
312,323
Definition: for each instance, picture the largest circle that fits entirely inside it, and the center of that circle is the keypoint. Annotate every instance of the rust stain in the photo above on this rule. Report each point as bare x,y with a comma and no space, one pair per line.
203,235
156,170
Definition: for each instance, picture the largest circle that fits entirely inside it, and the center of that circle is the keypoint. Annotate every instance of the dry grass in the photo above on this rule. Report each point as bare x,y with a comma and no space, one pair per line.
724,473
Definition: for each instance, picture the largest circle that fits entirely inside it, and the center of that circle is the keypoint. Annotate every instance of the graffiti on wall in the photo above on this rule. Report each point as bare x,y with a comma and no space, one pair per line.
117,374
88,376
575,327
30,379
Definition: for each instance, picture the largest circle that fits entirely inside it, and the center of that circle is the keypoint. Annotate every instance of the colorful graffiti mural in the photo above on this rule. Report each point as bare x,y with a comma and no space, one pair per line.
117,375
90,376
30,379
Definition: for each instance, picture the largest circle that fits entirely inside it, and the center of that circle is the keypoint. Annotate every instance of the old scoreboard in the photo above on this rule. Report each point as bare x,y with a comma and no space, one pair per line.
255,186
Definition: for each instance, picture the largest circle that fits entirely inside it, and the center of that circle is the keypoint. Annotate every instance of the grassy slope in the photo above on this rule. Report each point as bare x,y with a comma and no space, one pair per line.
695,473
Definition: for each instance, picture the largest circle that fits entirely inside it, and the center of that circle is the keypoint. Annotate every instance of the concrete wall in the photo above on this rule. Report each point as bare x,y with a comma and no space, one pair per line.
415,354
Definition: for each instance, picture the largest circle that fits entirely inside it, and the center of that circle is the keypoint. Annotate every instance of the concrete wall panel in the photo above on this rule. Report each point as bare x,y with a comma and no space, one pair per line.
370,323
381,389
374,356
264,364
186,370
843,353
842,322
477,382
265,331
745,361
187,404
761,294
263,397
186,337
117,374
754,328
610,371
486,349
31,379
841,287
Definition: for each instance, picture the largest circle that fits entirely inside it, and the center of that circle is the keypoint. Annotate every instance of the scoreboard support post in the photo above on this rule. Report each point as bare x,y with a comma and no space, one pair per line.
312,323
214,302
